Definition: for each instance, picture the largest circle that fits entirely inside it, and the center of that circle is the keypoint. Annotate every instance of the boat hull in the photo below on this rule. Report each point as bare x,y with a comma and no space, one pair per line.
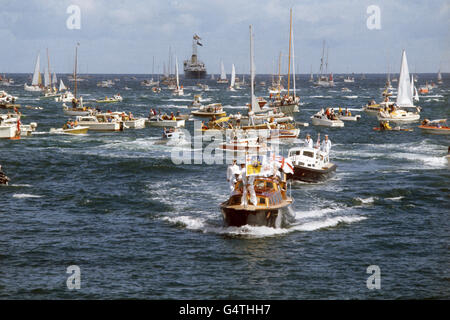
8,132
274,218
201,74
312,175
327,123
435,130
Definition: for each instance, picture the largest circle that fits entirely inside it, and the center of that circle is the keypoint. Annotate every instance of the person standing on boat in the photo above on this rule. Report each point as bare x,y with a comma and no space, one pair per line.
326,145
308,141
251,120
232,173
243,178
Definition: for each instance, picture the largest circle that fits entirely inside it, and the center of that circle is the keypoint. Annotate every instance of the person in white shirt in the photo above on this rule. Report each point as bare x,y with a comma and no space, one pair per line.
243,177
326,145
232,173
308,141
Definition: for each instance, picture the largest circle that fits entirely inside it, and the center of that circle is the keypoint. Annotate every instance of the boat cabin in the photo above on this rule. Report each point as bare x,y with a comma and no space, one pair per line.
269,192
308,157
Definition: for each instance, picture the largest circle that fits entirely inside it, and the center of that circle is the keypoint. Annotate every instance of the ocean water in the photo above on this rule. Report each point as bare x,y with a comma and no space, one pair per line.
140,226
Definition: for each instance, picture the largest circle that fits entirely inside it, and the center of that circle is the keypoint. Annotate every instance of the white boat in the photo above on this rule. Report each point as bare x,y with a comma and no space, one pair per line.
130,121
13,119
115,98
178,91
322,79
105,84
439,77
310,164
36,83
399,112
223,76
321,119
101,122
349,79
65,97
8,131
246,145
157,121
6,98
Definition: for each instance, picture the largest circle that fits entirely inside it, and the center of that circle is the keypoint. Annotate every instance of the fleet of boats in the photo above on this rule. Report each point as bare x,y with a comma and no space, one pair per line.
259,188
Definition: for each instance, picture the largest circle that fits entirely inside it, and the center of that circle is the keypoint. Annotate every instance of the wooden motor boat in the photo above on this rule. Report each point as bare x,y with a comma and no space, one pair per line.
436,126
75,130
270,209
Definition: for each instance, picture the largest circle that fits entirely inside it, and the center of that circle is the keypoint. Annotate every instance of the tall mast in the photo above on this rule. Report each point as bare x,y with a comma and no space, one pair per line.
279,70
75,71
49,73
293,56
321,59
289,58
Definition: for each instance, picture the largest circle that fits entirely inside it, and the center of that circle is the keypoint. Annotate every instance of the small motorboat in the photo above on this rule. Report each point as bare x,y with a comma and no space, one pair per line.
310,164
209,111
115,98
321,119
348,116
270,207
161,121
438,126
70,130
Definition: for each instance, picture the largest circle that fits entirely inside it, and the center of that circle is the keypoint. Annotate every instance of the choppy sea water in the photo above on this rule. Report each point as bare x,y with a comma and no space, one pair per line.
139,226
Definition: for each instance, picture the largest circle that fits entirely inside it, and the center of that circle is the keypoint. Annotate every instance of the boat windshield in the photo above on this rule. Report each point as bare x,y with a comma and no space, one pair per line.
308,154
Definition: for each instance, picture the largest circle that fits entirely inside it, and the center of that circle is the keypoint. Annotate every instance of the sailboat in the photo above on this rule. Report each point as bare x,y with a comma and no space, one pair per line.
178,91
223,75
288,104
36,83
233,78
77,108
311,77
399,112
414,92
439,77
323,80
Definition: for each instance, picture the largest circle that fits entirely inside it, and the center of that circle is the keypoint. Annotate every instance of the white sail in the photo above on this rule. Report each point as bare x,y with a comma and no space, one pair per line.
54,79
255,105
416,94
412,85
233,76
404,94
176,70
223,75
36,74
61,85
46,78
212,76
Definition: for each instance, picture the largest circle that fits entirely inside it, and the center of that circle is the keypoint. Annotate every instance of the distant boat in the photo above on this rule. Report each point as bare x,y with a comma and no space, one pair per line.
404,99
223,75
439,77
178,91
36,83
323,80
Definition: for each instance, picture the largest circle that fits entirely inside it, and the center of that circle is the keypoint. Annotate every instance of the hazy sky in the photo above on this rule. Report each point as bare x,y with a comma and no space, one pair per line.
123,36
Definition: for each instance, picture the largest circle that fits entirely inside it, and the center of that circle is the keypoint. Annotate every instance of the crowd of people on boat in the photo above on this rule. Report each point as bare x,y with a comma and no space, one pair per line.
70,124
163,116
329,113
